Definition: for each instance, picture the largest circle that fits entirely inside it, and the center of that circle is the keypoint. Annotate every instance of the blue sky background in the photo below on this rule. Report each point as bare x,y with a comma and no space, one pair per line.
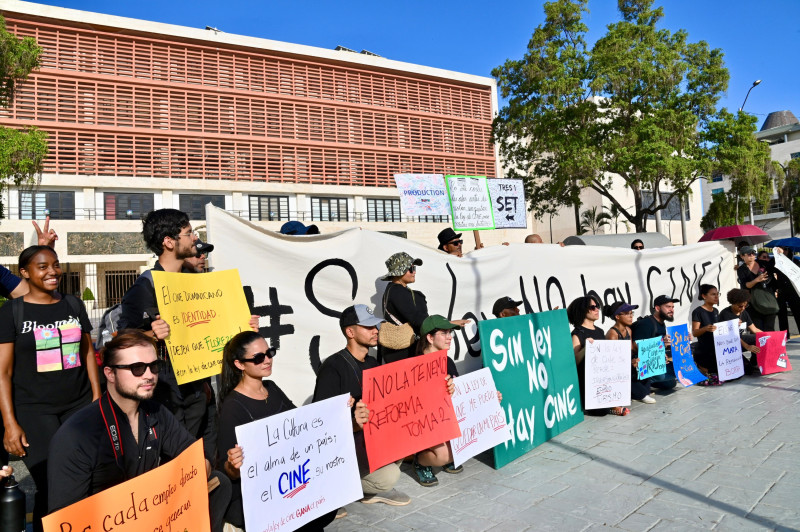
761,38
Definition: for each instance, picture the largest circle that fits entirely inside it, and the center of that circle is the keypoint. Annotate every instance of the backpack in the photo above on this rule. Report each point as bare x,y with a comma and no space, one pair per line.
109,322
18,308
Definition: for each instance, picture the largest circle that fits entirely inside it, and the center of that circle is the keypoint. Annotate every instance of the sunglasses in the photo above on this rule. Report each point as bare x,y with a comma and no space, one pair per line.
638,247
138,368
455,243
593,307
258,358
412,269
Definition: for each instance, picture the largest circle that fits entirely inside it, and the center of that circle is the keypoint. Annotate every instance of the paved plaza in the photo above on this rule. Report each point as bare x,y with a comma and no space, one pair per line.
721,458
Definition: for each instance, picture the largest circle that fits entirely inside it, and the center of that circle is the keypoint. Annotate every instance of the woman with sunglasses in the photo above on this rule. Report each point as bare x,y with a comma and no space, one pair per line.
244,397
47,365
582,313
401,304
758,275
622,314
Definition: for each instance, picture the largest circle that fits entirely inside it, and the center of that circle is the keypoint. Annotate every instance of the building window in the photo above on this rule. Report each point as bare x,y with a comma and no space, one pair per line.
127,206
195,204
717,191
37,205
716,178
117,283
795,155
269,208
435,218
672,209
383,210
329,209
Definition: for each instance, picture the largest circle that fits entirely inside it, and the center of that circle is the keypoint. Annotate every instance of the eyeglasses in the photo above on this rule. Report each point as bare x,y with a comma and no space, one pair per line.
258,358
593,307
190,234
749,253
412,269
638,247
138,368
455,243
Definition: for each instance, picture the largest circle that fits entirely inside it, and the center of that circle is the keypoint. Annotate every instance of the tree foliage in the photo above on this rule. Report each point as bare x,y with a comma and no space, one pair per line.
22,153
593,221
639,104
723,211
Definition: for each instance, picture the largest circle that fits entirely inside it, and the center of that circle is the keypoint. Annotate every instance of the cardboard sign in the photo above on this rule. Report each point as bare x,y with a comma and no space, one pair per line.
298,465
469,202
652,357
409,408
728,348
204,311
480,417
533,364
170,498
608,373
772,357
685,369
508,203
422,194
789,269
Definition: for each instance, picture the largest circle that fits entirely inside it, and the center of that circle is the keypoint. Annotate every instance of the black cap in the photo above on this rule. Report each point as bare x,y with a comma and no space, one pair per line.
663,300
504,303
446,235
203,247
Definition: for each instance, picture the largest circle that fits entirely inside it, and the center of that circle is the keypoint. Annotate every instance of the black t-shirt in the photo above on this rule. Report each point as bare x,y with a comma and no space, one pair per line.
81,460
341,373
745,275
238,409
48,371
705,342
407,306
728,314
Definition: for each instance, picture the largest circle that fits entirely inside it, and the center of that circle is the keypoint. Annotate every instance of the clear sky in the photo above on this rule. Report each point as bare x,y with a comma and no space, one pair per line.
761,38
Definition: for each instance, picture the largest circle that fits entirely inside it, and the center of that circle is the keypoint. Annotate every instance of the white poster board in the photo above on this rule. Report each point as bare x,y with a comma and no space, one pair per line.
608,373
789,269
508,203
728,347
422,194
479,414
298,465
469,203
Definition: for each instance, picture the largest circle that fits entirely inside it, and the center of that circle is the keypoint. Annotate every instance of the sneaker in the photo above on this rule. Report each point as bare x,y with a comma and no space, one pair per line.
391,497
341,512
647,400
425,475
452,469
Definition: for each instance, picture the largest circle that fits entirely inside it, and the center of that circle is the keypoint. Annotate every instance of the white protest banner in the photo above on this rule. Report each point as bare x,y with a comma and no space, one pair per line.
479,414
608,373
789,269
422,194
469,202
728,348
508,203
298,465
301,284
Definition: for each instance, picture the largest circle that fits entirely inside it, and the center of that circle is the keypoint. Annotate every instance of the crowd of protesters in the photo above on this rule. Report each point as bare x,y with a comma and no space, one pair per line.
81,428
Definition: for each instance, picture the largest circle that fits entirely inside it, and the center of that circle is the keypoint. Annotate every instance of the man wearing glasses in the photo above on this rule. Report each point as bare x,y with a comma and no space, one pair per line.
124,434
450,242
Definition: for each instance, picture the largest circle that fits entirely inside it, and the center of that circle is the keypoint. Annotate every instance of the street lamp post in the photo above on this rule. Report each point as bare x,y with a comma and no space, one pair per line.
756,82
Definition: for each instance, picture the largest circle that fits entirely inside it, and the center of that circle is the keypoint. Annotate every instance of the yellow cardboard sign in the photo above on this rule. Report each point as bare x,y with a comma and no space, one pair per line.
204,311
169,498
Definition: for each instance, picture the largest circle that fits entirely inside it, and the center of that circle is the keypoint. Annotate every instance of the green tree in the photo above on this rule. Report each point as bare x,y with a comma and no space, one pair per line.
591,220
22,152
787,183
722,211
614,214
638,105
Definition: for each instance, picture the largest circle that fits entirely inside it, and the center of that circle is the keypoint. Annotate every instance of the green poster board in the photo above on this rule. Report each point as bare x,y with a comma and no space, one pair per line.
470,203
533,365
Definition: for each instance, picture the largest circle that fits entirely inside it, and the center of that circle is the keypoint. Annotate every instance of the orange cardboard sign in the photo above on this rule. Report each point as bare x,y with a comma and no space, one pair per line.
410,408
170,498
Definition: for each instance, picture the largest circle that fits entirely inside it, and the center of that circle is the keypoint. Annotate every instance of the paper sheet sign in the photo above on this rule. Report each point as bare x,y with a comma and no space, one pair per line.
608,373
480,416
298,465
652,357
204,311
171,497
409,408
508,203
422,194
469,202
772,357
789,269
728,348
682,361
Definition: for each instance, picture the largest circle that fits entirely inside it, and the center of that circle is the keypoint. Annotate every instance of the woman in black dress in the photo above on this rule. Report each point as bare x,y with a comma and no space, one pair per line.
582,313
703,319
756,275
245,396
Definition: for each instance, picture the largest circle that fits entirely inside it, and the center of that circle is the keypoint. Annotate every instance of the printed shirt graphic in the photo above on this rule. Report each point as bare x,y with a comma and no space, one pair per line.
58,348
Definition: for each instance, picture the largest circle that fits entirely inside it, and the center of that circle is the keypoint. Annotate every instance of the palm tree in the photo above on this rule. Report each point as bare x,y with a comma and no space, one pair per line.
591,220
614,214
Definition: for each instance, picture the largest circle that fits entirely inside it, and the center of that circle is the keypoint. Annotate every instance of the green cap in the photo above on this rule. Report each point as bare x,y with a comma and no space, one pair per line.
436,322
